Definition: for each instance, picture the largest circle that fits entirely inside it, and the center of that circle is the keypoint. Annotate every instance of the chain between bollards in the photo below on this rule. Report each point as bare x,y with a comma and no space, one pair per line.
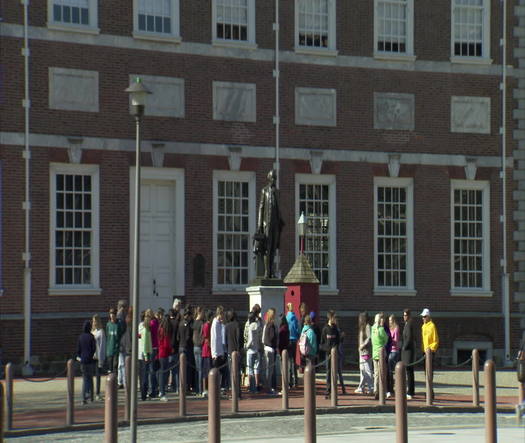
182,384
475,377
110,410
309,404
429,377
214,407
9,396
382,376
235,382
285,377
491,435
333,377
401,403
70,408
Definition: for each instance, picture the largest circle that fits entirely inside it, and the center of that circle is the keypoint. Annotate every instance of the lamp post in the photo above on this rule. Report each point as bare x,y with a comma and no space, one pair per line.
301,229
137,92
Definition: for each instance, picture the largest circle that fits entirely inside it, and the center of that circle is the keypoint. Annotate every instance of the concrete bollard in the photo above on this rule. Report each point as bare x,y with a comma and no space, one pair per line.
429,377
333,377
2,412
182,384
309,404
382,376
521,393
401,403
110,410
9,396
214,407
491,434
235,382
285,377
475,377
127,375
70,407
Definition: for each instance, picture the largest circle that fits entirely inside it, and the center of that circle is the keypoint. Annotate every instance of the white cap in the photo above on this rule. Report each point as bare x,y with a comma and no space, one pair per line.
176,302
425,312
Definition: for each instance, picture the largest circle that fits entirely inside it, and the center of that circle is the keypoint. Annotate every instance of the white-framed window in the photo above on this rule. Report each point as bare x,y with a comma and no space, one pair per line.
233,21
233,227
315,25
156,19
394,27
74,225
470,29
73,14
315,197
393,236
470,237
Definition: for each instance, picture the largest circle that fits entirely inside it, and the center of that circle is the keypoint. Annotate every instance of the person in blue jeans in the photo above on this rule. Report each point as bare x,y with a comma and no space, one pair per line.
197,347
293,328
86,348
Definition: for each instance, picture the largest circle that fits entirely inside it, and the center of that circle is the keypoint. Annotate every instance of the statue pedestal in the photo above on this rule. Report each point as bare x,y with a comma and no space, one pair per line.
267,296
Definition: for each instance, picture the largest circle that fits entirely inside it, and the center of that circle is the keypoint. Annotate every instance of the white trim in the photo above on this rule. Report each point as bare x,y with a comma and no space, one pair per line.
173,36
485,44
92,28
408,54
407,183
330,180
164,174
250,32
476,185
73,292
395,292
94,171
245,176
331,49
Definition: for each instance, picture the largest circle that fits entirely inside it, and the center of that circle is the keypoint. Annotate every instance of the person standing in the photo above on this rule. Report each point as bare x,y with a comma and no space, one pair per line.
197,347
408,351
86,349
293,328
165,351
395,353
329,340
366,384
206,351
144,353
270,335
218,346
175,317
113,335
125,341
312,346
100,356
430,340
379,340
233,340
253,346
185,338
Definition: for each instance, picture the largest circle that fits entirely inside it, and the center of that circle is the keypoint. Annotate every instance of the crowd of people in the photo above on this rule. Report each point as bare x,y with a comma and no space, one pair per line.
208,339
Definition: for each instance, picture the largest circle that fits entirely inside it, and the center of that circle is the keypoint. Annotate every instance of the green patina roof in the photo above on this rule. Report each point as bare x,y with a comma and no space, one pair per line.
301,272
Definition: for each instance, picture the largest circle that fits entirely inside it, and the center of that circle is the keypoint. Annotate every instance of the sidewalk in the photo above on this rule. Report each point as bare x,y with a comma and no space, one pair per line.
42,405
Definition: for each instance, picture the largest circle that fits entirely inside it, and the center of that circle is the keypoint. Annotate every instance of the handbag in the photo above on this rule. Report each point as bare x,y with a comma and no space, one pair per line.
521,371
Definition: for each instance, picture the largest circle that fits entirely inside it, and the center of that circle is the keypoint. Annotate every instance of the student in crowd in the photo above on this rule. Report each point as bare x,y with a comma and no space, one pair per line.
197,347
293,328
186,344
366,384
408,351
113,335
329,341
270,335
253,346
165,351
218,346
315,327
233,340
100,355
154,367
379,340
303,312
430,340
123,319
174,318
86,349
395,353
206,351
309,352
145,350
340,355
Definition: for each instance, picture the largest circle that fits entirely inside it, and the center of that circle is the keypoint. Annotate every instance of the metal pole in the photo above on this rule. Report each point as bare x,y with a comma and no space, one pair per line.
9,396
491,435
475,377
401,404
276,74
127,374
382,376
70,411
333,377
136,280
182,384
309,404
214,407
285,375
110,410
235,382
429,377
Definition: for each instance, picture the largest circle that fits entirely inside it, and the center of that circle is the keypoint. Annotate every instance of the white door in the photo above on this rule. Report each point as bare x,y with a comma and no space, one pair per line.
157,244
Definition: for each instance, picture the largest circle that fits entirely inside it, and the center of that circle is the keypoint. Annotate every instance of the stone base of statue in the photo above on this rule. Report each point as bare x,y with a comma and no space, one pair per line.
268,293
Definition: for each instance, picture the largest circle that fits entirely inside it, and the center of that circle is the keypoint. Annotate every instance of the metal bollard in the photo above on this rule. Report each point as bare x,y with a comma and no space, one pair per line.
382,376
214,407
182,384
2,411
110,410
9,396
70,407
309,404
401,403
429,377
333,377
235,382
285,376
491,435
475,377
127,403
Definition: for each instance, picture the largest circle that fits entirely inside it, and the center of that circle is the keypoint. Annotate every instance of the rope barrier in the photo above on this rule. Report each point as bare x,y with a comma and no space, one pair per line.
417,361
60,374
468,360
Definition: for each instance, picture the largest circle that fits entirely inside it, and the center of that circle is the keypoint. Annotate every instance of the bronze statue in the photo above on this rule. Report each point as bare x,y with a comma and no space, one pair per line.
269,225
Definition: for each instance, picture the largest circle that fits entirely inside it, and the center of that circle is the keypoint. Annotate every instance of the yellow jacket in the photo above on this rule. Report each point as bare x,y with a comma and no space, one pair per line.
430,336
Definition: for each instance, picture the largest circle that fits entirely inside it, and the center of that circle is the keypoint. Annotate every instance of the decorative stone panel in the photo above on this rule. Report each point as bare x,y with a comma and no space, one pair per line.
73,90
315,107
234,101
394,111
470,114
166,98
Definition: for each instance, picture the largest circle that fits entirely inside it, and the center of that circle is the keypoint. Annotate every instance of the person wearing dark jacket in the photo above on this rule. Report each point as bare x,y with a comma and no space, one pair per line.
329,340
175,316
270,336
185,337
234,340
86,349
408,350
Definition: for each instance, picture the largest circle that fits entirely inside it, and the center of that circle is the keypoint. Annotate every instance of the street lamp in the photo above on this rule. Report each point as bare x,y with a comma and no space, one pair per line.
137,92
301,229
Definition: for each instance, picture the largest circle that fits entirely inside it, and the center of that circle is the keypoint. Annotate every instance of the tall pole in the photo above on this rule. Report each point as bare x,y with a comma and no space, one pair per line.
276,74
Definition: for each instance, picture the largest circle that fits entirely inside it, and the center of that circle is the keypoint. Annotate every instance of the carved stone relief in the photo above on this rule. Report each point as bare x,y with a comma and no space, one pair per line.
73,90
315,107
234,101
394,111
470,114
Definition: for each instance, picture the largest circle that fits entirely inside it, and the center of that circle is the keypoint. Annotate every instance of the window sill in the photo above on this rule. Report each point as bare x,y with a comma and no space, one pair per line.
74,291
316,51
395,292
82,29
229,290
470,293
163,38
328,291
234,44
390,56
471,60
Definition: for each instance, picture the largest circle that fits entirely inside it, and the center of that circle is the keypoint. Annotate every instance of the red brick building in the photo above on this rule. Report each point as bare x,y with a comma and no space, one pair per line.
391,140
